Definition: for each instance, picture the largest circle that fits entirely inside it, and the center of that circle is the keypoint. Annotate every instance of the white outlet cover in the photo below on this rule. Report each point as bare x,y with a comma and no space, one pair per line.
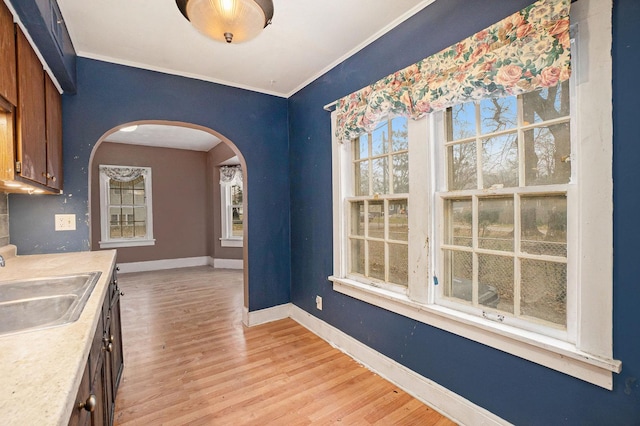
65,222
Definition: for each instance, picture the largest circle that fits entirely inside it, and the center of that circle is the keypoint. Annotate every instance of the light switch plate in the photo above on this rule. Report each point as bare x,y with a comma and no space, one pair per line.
65,222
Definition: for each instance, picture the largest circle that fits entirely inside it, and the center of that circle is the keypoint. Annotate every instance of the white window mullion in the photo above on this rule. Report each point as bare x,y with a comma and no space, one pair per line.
517,229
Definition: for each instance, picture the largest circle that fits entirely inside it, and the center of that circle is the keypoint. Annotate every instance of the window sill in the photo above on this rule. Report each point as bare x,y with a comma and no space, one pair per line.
127,243
552,353
231,242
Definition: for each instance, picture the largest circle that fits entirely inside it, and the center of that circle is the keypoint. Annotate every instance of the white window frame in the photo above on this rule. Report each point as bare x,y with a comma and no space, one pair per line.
106,241
587,356
226,216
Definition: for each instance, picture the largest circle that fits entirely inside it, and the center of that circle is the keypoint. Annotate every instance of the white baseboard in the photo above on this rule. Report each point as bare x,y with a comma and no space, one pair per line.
228,263
264,316
186,262
156,265
448,403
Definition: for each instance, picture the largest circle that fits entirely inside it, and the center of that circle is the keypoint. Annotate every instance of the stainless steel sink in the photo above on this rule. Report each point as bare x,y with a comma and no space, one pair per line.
40,303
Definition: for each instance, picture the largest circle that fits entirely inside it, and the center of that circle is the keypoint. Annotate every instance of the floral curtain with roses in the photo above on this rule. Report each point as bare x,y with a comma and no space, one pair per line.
524,52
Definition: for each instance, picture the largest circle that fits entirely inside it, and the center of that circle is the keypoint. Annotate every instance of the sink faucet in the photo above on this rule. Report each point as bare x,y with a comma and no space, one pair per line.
2,261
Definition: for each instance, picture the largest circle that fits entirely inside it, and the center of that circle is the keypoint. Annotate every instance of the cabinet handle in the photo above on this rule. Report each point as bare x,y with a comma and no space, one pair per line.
89,404
108,348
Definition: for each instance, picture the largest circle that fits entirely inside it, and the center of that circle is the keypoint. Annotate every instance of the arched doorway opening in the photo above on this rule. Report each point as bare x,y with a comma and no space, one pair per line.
184,161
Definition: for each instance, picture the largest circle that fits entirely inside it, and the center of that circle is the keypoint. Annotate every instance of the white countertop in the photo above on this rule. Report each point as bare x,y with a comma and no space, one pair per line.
40,371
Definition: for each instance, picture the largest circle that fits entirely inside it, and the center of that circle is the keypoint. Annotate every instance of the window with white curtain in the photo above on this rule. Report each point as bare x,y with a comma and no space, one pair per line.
231,213
505,232
126,209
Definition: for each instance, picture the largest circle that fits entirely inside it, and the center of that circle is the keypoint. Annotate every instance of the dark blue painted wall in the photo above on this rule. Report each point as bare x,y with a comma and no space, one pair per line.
109,95
515,389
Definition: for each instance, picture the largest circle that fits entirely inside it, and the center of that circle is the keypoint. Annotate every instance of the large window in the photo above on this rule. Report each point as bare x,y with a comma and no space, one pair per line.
493,219
378,225
505,206
125,206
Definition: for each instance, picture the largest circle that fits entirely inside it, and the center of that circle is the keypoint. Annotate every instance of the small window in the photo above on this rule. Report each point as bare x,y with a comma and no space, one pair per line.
232,214
125,204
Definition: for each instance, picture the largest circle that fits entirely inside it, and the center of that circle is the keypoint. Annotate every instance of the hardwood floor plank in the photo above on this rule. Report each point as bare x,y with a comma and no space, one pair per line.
190,361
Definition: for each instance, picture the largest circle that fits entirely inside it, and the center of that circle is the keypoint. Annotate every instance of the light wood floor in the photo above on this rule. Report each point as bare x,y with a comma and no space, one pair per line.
190,361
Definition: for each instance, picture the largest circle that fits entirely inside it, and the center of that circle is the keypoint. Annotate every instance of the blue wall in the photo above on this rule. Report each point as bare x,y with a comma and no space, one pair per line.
109,95
517,390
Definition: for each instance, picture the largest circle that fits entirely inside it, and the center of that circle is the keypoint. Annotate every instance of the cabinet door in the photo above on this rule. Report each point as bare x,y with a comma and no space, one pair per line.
31,113
8,84
53,110
81,415
117,358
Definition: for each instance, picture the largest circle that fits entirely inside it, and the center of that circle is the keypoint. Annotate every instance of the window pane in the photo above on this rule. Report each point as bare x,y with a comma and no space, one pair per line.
546,104
140,214
128,231
547,155
362,178
127,196
361,147
138,197
376,219
458,217
380,139
495,223
376,259
544,291
498,114
461,121
236,194
398,264
400,173
459,277
380,175
400,136
236,225
544,225
357,218
357,256
495,275
398,220
500,161
115,231
114,195
115,214
462,166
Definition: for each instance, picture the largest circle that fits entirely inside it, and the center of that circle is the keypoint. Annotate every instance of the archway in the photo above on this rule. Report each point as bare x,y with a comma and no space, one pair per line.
185,161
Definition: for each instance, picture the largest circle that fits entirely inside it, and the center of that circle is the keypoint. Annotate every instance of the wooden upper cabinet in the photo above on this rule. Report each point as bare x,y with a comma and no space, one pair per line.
53,109
8,85
30,118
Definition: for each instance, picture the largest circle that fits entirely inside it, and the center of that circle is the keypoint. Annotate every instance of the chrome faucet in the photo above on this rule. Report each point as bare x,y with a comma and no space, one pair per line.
2,261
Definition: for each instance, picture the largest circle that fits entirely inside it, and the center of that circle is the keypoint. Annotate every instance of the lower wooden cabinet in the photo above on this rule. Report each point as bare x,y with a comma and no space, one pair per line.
95,401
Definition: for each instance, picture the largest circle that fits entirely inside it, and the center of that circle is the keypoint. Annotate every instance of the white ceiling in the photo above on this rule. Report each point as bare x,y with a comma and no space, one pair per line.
165,136
306,39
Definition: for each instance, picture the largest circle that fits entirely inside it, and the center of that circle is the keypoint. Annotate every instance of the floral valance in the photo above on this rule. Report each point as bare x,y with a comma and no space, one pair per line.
231,175
123,174
524,52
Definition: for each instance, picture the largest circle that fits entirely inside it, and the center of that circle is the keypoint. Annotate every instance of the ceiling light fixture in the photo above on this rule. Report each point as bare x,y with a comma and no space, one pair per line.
228,20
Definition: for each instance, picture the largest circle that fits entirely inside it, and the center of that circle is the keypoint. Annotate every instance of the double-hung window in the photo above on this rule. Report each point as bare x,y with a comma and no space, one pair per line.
503,211
231,212
125,206
378,205
492,219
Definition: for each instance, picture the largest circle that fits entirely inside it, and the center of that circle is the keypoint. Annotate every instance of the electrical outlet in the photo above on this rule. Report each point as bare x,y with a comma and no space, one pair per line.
319,302
65,222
